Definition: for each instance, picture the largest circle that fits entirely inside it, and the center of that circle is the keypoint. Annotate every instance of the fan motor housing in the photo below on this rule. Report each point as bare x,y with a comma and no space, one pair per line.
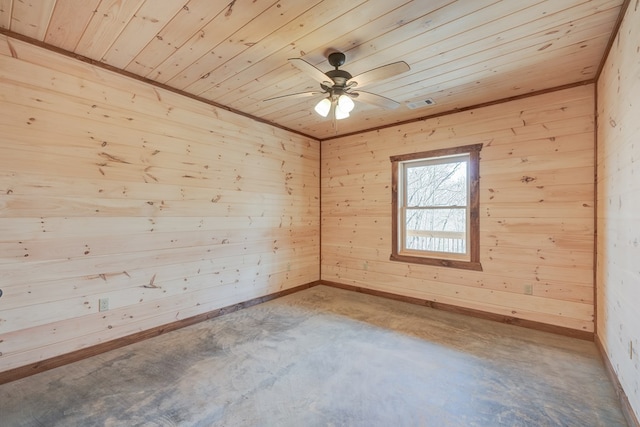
339,77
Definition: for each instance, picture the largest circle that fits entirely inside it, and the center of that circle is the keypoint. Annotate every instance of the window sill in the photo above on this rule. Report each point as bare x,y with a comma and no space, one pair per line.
450,263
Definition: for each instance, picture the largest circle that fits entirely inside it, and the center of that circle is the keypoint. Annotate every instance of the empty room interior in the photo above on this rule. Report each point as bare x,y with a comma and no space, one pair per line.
318,212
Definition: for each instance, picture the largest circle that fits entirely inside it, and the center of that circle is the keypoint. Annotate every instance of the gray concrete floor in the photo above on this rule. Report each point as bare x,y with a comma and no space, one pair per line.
327,357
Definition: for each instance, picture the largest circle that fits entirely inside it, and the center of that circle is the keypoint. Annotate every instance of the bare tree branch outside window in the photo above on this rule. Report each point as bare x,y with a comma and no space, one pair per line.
436,206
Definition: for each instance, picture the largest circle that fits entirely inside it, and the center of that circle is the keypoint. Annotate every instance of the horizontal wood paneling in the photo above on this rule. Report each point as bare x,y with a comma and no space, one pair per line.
618,246
536,209
54,362
110,188
235,52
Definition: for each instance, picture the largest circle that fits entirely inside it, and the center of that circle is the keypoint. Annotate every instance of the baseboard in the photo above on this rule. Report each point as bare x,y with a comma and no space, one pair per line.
627,410
574,333
64,359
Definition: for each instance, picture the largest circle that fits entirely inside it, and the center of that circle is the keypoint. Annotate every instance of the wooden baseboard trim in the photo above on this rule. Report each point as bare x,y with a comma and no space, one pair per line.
64,359
627,410
574,333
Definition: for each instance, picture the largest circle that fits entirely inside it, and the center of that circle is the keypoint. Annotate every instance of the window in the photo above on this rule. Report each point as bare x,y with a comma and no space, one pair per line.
435,204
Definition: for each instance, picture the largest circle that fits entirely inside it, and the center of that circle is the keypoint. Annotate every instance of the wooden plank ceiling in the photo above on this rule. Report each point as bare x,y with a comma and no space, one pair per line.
234,53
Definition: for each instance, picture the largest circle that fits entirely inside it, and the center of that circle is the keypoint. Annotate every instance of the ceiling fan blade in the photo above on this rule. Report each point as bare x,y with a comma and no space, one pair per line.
295,95
377,100
310,70
380,73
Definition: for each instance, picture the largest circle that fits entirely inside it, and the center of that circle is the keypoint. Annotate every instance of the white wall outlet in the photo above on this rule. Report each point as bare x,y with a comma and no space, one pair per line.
528,289
104,304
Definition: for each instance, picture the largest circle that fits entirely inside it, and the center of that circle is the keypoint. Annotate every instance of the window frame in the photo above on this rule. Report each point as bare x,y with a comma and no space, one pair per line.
473,214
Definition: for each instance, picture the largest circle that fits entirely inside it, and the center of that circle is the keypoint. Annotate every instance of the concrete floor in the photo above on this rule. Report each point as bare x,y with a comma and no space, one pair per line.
327,357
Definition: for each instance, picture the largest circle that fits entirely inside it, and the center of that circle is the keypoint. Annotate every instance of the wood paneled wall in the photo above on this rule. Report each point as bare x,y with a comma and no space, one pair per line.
111,188
536,203
618,248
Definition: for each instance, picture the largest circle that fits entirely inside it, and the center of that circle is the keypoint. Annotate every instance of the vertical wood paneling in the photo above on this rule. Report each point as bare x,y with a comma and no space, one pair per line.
536,209
618,247
110,188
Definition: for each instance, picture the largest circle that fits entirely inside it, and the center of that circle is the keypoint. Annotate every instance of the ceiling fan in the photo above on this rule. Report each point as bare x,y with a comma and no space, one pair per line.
339,86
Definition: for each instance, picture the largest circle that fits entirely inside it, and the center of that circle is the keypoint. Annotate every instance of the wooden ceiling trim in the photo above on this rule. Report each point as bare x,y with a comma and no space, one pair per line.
613,35
473,90
518,67
460,53
110,68
472,98
441,73
462,109
566,106
32,18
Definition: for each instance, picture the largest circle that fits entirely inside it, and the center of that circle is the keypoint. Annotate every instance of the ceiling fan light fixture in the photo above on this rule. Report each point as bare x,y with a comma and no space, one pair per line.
340,113
323,107
337,84
345,103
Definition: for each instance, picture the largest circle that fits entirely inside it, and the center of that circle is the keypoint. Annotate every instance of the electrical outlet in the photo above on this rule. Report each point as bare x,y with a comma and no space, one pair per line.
104,304
630,349
528,289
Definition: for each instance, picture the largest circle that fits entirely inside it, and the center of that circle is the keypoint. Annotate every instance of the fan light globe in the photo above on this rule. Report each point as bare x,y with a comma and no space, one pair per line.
346,104
340,113
323,107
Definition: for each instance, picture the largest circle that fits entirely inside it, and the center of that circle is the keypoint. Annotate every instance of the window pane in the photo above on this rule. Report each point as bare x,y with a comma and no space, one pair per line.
438,230
443,184
435,205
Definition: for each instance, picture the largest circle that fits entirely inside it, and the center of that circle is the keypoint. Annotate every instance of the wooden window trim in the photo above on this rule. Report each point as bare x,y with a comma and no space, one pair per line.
474,208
